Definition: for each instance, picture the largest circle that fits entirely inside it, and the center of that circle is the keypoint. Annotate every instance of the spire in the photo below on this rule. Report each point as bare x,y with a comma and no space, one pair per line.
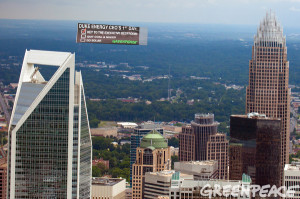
269,30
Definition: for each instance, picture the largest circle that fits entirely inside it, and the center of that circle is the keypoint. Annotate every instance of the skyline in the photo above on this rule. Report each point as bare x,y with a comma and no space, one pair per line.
166,11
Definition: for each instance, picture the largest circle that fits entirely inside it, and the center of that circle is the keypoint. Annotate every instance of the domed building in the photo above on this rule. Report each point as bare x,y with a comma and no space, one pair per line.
153,155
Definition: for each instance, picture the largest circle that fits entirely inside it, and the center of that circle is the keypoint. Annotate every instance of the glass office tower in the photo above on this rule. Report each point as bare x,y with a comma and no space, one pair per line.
49,136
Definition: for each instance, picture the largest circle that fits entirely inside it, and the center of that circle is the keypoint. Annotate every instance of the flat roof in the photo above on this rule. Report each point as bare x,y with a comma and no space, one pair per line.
106,181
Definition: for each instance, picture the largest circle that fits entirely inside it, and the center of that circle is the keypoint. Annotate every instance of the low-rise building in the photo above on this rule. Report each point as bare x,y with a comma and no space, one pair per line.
292,177
201,170
108,188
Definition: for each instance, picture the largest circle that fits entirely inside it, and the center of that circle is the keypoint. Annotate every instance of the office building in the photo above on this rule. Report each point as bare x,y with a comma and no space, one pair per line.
187,144
153,155
158,184
268,92
292,177
255,145
49,135
200,141
201,170
217,149
176,185
108,188
3,173
135,140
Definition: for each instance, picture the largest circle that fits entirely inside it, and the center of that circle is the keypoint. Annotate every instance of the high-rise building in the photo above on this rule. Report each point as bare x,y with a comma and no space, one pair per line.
49,134
217,149
255,145
3,173
135,139
203,126
153,155
268,92
187,144
200,141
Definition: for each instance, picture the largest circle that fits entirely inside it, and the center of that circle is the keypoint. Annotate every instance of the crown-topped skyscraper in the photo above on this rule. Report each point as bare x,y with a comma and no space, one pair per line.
268,92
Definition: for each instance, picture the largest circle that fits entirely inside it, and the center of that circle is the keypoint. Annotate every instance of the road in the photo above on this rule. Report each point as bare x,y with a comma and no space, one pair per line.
4,108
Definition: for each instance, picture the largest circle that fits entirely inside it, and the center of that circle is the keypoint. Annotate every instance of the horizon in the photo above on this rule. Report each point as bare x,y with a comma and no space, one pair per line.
230,12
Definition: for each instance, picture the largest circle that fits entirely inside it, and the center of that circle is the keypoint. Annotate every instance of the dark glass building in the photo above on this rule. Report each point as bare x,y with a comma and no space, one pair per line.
255,148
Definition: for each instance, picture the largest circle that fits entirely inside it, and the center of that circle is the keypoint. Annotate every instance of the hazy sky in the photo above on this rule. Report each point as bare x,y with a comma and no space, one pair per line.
183,11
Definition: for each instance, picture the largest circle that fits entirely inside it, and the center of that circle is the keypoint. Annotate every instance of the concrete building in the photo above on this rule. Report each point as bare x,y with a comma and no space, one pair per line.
255,146
268,91
200,141
135,140
201,170
158,184
3,174
108,188
175,185
153,155
50,153
292,177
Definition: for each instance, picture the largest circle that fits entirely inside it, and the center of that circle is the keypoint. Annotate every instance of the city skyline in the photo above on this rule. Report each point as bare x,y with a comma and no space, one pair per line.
192,11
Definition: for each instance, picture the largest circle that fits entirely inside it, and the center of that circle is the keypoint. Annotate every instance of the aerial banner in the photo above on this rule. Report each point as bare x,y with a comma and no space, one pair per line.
111,34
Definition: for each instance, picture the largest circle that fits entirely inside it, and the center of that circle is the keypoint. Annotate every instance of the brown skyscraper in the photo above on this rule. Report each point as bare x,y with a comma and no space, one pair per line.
200,141
268,91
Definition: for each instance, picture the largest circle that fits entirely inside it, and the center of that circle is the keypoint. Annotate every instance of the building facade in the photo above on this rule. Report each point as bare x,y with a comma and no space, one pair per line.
268,92
49,135
153,155
3,174
135,140
187,144
255,146
217,149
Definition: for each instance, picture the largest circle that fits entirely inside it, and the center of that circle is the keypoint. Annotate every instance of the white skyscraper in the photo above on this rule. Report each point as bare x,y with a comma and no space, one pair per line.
49,135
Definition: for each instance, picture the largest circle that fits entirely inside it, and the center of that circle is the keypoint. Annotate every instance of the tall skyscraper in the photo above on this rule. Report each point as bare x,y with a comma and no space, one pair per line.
268,91
255,145
49,135
153,155
3,174
200,141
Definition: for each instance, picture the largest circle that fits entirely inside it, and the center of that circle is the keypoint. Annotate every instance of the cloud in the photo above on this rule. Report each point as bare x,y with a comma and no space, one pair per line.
294,9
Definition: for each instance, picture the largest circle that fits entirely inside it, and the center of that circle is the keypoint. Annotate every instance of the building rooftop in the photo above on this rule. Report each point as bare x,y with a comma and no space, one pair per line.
255,116
154,140
106,181
295,166
207,162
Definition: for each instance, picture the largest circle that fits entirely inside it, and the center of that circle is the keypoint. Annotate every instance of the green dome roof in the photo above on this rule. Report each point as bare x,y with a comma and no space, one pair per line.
154,140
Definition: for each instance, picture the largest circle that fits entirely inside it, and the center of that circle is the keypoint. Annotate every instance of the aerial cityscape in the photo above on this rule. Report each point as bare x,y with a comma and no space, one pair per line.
197,100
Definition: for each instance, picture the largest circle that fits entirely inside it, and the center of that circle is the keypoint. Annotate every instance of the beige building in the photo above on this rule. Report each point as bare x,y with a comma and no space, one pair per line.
268,91
108,188
153,155
110,131
176,185
292,177
201,170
